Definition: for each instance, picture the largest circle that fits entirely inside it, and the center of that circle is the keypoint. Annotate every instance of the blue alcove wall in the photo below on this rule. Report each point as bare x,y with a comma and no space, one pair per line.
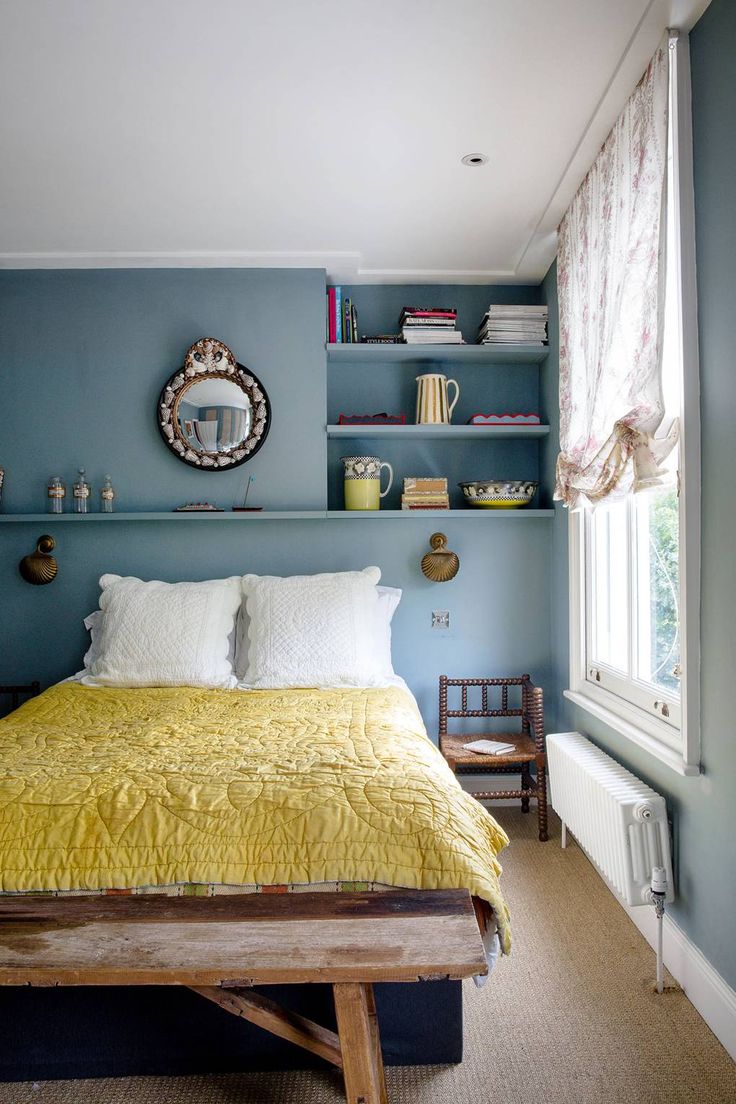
85,356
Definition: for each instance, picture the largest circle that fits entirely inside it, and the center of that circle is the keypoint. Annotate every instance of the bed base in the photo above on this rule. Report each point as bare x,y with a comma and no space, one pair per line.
220,948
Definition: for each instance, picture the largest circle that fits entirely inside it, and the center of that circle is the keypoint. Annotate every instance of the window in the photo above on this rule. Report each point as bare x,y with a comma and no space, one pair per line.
635,562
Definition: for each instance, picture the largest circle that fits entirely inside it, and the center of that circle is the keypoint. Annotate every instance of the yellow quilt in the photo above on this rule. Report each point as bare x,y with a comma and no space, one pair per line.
107,788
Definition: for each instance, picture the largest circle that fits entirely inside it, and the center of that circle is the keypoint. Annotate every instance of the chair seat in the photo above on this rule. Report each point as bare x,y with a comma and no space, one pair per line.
451,746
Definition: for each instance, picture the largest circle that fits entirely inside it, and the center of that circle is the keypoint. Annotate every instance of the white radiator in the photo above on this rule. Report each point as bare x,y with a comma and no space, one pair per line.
620,823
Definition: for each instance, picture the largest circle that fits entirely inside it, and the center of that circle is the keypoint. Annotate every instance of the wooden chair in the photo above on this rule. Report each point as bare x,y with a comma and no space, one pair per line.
528,744
17,692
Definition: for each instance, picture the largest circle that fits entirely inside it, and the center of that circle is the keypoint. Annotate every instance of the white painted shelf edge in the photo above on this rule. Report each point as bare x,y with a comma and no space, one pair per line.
457,354
51,520
439,432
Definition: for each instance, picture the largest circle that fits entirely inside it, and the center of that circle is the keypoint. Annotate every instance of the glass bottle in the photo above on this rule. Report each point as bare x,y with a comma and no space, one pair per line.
56,494
107,494
82,492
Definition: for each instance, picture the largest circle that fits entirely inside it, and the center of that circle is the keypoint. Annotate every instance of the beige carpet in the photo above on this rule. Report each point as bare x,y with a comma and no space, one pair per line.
569,1018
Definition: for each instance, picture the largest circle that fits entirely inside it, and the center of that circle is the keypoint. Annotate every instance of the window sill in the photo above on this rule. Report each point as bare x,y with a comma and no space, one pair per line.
667,755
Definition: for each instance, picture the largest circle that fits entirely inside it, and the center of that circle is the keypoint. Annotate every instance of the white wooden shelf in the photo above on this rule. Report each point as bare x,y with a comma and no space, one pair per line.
438,432
445,354
51,520
521,513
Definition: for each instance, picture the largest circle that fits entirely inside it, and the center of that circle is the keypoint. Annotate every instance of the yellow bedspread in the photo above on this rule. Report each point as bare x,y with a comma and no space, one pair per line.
106,788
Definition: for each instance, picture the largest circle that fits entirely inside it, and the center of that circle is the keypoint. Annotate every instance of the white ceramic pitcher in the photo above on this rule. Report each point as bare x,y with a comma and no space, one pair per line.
433,405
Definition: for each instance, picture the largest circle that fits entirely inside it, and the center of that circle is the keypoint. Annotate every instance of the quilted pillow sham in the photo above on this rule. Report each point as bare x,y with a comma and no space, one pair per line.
313,630
164,634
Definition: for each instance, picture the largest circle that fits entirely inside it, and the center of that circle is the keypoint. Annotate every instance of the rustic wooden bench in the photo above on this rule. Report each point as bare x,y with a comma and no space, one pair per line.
222,946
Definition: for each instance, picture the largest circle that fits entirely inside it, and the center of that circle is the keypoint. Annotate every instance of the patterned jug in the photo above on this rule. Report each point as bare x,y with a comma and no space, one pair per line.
433,406
363,482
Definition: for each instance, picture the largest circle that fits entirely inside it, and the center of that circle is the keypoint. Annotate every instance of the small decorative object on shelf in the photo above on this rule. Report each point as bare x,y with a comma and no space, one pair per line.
499,494
245,508
363,482
509,324
371,419
504,419
380,339
440,565
428,493
198,507
433,405
82,491
56,493
40,567
430,326
107,494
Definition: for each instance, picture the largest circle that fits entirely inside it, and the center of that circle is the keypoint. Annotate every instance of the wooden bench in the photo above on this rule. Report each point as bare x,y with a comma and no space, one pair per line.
222,946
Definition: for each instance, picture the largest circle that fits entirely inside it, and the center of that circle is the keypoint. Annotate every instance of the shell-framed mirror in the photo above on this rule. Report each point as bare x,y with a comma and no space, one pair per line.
213,413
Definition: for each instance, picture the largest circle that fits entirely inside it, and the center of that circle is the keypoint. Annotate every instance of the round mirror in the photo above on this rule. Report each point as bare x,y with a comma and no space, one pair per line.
213,413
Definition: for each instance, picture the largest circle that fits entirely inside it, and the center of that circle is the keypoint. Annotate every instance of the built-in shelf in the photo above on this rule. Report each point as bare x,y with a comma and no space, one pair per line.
51,520
168,515
437,432
445,354
521,513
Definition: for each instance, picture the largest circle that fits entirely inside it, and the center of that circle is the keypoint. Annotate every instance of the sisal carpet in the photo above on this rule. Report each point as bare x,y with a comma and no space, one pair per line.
569,1018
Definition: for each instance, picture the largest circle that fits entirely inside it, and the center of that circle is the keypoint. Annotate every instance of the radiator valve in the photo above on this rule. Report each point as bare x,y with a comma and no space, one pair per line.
658,889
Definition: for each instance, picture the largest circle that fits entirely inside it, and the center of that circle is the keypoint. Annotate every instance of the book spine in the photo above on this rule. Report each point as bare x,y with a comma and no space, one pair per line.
338,314
331,315
354,322
347,335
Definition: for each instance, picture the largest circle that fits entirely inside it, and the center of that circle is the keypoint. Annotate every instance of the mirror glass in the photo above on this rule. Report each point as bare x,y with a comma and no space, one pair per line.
214,415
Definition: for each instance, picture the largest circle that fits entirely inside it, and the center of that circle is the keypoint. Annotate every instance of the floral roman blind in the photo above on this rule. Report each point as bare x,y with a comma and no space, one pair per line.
611,279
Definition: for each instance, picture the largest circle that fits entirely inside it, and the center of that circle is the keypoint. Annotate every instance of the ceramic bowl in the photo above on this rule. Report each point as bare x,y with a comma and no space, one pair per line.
499,494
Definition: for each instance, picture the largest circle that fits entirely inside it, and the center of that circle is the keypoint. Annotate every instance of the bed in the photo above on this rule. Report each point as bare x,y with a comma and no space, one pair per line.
192,791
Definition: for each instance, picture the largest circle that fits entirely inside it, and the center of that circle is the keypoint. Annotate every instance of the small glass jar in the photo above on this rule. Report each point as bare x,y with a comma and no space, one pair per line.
82,491
107,494
56,494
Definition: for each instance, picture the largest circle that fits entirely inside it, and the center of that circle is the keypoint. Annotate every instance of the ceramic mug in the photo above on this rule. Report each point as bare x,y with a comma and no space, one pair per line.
433,406
363,482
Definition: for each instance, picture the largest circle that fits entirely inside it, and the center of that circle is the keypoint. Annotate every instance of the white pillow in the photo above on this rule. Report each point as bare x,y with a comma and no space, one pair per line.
164,634
93,624
388,600
312,630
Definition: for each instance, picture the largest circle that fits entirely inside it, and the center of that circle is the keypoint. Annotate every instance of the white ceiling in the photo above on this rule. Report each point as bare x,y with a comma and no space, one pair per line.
325,133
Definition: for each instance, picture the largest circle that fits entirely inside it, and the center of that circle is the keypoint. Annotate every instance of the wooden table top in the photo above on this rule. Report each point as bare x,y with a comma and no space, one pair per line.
239,940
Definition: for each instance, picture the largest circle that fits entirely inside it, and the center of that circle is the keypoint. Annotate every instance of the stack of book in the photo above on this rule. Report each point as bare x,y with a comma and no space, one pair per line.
430,326
505,324
425,494
342,318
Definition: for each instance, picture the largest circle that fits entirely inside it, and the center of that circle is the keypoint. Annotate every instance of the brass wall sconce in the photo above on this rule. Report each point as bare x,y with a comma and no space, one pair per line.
40,567
440,565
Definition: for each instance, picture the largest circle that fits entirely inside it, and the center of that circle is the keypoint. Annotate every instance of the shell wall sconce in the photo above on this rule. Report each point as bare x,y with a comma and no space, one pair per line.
40,567
440,565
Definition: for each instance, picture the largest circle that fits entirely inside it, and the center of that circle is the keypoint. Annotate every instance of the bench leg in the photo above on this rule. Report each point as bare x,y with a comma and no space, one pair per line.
360,1043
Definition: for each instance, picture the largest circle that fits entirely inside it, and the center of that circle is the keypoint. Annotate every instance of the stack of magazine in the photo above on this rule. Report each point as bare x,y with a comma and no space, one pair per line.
506,324
430,326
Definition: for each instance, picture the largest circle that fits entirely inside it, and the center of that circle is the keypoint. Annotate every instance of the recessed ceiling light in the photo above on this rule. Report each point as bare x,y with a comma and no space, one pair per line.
474,160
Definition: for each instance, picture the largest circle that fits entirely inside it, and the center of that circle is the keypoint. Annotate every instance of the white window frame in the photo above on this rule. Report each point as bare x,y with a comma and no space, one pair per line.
679,747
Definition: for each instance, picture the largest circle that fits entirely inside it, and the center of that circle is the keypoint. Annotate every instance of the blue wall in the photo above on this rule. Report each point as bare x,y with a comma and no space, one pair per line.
703,807
85,356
